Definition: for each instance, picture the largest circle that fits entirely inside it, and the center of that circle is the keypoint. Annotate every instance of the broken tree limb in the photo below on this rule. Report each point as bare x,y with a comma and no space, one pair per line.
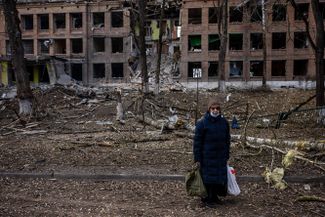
316,164
310,198
245,128
159,124
166,125
284,115
300,144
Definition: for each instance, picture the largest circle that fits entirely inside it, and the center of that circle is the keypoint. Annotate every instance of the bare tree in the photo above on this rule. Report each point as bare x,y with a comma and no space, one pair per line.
318,48
142,45
161,32
24,92
264,42
319,52
223,31
138,19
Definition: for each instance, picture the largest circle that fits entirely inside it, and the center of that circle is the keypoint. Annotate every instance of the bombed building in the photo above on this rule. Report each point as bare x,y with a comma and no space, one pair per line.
91,41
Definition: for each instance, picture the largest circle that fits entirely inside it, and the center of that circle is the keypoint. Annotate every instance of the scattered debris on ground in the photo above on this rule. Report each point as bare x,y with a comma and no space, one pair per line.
115,130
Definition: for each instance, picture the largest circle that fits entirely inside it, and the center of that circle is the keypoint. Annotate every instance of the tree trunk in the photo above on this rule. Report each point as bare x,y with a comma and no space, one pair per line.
143,58
319,53
319,56
161,31
318,48
222,24
24,92
264,44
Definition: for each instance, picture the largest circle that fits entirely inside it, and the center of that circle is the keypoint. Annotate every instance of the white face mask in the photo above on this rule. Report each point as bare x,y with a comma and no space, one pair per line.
214,113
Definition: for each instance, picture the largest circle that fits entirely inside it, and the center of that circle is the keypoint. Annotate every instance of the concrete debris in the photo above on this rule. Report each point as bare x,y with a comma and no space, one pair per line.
169,70
8,93
104,122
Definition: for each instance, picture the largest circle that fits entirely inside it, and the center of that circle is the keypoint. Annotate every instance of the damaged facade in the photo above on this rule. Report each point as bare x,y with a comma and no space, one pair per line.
91,41
289,58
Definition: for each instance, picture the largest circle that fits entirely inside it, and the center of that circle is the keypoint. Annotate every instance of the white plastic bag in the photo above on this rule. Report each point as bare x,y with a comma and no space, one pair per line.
233,188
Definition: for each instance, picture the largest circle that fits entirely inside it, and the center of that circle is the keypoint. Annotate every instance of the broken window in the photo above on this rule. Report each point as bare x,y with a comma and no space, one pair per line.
44,46
279,40
213,69
235,14
236,68
117,70
28,46
43,20
76,71
300,67
27,22
301,11
214,42
256,13
117,45
213,15
256,68
117,19
278,68
59,21
194,16
256,41
148,29
8,48
30,72
300,40
99,44
60,46
279,12
99,70
76,20
43,74
235,41
99,19
194,42
194,70
76,45
11,73
322,9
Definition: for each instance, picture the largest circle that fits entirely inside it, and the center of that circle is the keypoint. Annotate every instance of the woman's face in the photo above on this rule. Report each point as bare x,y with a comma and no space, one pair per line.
215,109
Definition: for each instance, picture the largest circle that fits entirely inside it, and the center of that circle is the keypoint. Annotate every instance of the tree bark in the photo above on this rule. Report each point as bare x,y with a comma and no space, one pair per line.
24,92
319,52
161,31
223,31
264,17
318,48
143,58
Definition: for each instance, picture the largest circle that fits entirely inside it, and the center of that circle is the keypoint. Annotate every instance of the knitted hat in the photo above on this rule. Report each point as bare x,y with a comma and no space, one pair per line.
213,102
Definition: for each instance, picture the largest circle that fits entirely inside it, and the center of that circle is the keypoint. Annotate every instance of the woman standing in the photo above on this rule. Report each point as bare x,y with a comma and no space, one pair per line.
211,152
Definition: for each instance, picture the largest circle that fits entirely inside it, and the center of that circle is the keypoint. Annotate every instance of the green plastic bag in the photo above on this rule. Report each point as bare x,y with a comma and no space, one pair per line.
194,184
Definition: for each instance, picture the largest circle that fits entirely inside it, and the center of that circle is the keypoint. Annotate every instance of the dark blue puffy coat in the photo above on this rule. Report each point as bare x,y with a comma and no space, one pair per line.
211,148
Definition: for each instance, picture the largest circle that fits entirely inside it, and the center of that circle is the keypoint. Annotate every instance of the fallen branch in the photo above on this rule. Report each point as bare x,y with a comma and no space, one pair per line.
284,115
310,198
320,145
246,124
316,164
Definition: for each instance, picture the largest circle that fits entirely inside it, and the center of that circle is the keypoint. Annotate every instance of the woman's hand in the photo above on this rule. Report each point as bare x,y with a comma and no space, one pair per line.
197,165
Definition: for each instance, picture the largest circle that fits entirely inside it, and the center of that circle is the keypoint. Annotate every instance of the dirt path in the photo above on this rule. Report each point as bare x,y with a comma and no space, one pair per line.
44,197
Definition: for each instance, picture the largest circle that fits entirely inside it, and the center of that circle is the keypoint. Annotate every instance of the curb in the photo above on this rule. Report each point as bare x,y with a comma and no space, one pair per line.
158,177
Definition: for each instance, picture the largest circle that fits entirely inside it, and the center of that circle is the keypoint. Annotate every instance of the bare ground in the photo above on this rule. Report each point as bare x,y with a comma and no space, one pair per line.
76,133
